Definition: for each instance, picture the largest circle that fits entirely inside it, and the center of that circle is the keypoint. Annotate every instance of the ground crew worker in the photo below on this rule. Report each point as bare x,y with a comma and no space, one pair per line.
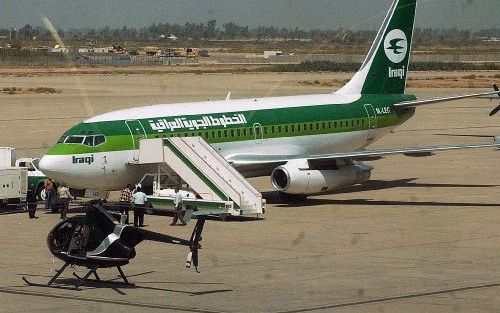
139,204
64,198
49,194
125,200
31,202
178,208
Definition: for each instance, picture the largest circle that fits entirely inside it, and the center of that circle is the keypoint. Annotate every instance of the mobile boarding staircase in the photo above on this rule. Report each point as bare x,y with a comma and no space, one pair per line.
222,189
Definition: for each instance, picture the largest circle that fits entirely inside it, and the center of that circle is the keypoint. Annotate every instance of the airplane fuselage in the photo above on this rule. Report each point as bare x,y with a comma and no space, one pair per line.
97,153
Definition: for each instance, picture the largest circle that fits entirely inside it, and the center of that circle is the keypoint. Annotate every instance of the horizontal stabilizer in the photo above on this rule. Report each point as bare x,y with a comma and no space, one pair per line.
408,104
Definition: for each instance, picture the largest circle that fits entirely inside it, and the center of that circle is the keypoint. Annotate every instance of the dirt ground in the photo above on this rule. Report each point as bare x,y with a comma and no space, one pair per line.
422,236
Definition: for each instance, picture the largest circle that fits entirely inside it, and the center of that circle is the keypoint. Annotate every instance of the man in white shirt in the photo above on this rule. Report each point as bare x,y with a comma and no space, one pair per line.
64,198
139,199
178,208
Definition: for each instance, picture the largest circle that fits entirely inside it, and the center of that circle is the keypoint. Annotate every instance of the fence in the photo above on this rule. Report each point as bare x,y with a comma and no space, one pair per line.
13,59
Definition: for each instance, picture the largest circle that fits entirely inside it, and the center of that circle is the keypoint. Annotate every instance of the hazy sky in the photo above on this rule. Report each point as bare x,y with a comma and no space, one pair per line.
305,14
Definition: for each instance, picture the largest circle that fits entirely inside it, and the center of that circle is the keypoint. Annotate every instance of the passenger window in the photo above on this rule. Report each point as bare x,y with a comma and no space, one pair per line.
298,128
251,131
225,133
213,134
219,134
265,130
238,132
232,132
286,128
279,129
323,125
317,125
244,132
311,126
334,124
272,129
293,128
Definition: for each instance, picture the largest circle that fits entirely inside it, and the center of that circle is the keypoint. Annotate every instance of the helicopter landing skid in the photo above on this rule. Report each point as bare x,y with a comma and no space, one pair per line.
80,280
51,281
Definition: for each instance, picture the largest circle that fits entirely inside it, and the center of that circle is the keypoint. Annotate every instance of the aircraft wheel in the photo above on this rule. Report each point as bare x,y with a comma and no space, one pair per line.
40,193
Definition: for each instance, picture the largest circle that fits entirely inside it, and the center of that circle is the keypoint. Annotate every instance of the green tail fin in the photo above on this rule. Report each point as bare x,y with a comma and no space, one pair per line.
386,65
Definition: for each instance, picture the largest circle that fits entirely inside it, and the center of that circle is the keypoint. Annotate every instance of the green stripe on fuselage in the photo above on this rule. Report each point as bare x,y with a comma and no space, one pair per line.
323,118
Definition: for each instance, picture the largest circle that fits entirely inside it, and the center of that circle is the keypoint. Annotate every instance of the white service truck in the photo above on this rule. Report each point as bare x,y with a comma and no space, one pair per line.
13,180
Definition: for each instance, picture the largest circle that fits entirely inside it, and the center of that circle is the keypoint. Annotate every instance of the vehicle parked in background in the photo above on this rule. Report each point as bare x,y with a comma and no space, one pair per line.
36,178
204,54
13,180
192,53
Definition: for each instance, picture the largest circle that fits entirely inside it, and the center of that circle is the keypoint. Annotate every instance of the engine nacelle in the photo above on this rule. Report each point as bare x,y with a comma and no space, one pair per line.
290,179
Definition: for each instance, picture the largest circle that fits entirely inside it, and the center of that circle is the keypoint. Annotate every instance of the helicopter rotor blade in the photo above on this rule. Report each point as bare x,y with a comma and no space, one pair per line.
495,110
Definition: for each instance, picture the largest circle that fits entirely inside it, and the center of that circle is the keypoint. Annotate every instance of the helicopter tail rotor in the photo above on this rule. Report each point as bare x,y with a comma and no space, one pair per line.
195,245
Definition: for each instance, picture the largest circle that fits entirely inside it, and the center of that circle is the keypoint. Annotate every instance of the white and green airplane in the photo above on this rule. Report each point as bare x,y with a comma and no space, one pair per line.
308,144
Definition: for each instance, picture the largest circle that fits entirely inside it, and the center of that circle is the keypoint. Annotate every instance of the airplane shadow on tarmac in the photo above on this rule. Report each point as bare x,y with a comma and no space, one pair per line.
272,197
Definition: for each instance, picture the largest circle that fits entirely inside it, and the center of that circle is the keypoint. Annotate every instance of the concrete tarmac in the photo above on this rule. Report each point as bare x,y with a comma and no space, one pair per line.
422,236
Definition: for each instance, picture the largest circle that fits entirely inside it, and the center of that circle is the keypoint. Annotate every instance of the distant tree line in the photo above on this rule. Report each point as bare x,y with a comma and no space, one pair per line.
233,31
329,66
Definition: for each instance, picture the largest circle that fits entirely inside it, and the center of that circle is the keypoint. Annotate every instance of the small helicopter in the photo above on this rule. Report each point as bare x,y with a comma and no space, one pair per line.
97,240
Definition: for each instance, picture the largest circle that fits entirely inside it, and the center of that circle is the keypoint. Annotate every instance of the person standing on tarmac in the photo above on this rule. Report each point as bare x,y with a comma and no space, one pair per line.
139,203
64,198
49,194
31,202
125,200
178,208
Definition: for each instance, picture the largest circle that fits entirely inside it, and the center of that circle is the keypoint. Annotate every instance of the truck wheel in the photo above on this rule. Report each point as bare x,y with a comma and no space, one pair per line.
40,193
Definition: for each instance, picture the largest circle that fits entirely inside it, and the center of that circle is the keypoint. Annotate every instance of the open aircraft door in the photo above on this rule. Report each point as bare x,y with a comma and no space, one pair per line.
137,133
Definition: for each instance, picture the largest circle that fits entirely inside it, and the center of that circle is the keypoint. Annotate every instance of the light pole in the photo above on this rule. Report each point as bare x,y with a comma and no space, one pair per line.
10,33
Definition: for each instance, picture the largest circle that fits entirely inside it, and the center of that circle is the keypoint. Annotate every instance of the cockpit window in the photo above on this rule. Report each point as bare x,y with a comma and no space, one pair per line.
99,139
74,139
61,140
91,141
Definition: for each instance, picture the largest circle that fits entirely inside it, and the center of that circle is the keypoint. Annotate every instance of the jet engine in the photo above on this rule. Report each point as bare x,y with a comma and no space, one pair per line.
291,179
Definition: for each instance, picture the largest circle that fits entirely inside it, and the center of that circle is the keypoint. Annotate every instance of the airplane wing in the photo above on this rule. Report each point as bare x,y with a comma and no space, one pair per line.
362,155
489,95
